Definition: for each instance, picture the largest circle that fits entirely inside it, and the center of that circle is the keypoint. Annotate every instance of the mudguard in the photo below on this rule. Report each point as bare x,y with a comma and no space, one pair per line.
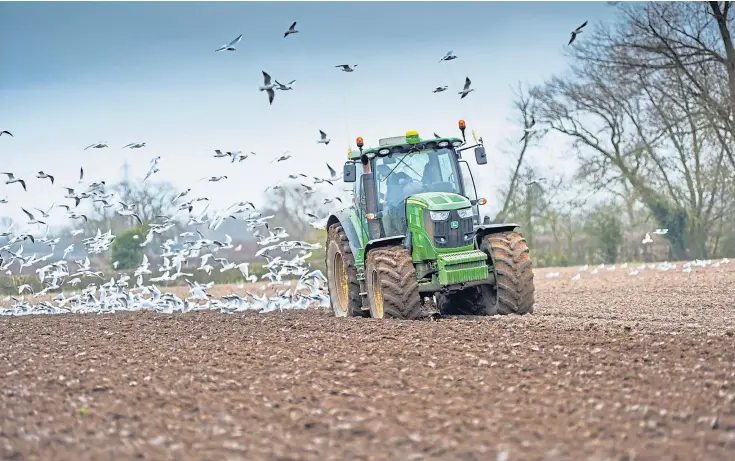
377,243
493,228
353,238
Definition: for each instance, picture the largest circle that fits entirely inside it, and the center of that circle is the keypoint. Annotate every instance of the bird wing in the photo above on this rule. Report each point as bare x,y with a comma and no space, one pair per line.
266,78
323,134
467,83
581,27
332,173
574,35
271,95
10,175
235,41
293,26
131,144
30,216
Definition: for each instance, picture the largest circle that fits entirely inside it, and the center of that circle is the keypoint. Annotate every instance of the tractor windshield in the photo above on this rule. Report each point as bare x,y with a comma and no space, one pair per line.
399,176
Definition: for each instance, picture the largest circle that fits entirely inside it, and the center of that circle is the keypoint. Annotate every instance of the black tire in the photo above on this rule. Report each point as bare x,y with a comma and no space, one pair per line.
513,272
339,254
391,277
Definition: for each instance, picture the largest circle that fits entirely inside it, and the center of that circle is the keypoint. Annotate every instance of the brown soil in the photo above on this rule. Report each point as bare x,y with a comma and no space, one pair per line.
611,366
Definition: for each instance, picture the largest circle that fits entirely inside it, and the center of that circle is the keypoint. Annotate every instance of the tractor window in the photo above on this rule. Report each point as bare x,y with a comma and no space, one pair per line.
357,190
469,188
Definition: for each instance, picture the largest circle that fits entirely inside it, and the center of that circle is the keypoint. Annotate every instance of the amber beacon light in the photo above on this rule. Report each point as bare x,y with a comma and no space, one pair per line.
462,125
359,141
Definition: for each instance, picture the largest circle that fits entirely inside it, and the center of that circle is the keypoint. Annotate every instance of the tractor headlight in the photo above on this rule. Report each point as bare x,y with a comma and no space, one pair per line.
465,213
439,215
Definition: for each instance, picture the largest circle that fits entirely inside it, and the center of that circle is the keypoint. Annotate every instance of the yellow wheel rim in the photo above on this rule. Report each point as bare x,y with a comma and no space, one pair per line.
377,295
343,289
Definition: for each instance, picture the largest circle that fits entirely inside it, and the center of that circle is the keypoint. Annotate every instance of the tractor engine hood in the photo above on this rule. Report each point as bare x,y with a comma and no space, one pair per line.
440,201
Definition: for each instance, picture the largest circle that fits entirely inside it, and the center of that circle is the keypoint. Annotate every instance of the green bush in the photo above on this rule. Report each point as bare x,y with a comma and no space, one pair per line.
126,249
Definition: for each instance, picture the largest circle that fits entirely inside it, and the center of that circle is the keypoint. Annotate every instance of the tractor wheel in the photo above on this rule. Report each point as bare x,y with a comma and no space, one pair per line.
513,272
344,289
392,287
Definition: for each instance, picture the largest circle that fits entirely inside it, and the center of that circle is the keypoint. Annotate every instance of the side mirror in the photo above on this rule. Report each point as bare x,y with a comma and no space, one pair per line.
350,172
480,155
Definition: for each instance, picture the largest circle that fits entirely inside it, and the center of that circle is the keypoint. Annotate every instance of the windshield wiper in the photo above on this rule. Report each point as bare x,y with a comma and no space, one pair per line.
413,149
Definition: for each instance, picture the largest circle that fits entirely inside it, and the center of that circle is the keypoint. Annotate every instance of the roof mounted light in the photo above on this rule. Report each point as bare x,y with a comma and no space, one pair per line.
457,143
384,151
359,141
412,137
443,143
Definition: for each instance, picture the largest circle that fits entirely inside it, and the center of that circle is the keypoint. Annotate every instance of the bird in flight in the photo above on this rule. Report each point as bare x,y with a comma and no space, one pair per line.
466,90
449,56
97,145
6,132
347,68
291,30
12,179
230,46
285,87
576,31
439,89
324,139
135,145
268,87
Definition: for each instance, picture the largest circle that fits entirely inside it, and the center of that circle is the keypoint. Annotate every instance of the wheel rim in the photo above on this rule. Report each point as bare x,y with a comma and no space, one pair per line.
377,295
343,289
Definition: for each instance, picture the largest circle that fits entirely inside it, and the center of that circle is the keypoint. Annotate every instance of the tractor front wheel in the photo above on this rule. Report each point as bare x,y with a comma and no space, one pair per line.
344,288
513,272
392,287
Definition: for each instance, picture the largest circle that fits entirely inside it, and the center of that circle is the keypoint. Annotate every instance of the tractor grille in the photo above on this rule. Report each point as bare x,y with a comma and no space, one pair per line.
446,237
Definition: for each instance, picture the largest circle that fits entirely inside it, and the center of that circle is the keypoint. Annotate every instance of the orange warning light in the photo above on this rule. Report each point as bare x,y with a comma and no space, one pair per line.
462,125
359,141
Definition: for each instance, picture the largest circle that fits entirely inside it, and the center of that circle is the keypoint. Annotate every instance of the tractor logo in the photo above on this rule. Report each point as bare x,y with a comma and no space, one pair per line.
454,224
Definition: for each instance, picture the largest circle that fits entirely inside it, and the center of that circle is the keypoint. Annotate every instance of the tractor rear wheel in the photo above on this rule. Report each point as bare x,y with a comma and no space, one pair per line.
513,271
392,287
344,288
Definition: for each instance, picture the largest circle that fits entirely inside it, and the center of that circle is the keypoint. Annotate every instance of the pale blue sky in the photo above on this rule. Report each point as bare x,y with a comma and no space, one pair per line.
78,73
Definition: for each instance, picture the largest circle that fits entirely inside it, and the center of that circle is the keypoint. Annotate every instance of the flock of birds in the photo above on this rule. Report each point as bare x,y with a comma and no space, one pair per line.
178,252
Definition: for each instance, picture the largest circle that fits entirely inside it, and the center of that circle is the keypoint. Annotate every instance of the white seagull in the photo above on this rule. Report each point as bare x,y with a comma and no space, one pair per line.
230,46
324,139
268,87
439,89
291,30
347,68
466,90
449,56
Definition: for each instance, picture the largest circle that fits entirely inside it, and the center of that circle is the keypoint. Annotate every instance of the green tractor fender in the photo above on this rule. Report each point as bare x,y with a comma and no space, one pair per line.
484,229
387,241
347,219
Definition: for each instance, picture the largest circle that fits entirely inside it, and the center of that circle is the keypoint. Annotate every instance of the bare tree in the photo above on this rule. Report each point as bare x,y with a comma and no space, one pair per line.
290,206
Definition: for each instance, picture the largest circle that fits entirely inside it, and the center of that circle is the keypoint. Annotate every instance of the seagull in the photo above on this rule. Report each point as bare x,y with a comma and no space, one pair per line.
268,87
6,132
12,179
466,90
282,157
529,129
285,87
332,174
647,239
215,178
42,175
33,220
135,145
576,31
661,231
324,139
439,89
230,46
97,145
291,30
347,68
449,56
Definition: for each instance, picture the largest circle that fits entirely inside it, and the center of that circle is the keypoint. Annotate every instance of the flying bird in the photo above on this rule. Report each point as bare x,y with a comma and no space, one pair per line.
466,90
135,145
6,132
291,30
324,139
576,31
347,68
12,179
97,145
42,175
230,46
268,87
285,87
439,89
33,220
449,56
528,130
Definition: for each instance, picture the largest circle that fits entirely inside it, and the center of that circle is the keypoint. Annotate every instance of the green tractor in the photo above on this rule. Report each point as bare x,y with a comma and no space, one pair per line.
412,246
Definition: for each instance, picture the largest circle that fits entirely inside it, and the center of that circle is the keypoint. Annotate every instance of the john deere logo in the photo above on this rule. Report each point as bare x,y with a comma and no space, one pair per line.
454,224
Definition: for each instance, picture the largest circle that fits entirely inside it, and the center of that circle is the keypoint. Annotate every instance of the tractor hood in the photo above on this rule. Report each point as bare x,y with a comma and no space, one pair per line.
440,201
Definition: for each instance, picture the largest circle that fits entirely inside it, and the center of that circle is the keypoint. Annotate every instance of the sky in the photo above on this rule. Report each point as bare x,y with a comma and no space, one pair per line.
122,72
